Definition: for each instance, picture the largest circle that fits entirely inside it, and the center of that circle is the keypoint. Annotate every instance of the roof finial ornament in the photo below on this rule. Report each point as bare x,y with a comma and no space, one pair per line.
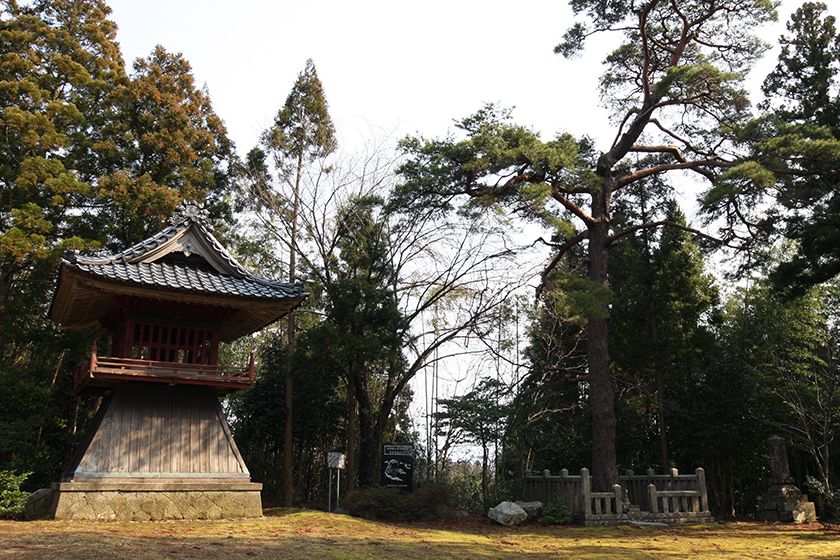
189,210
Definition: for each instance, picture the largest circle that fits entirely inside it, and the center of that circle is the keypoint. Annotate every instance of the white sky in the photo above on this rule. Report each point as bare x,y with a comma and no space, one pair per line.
389,68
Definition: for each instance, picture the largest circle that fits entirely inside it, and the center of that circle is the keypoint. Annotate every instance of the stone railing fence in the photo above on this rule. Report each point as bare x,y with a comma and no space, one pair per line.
649,496
638,486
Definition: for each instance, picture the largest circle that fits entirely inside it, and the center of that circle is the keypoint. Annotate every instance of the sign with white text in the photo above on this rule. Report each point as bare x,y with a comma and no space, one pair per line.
398,466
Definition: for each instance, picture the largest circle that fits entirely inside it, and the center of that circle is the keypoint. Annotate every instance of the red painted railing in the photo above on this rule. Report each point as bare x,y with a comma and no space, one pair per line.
101,368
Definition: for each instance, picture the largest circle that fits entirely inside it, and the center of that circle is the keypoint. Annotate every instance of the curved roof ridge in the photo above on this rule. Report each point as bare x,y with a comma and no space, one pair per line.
188,215
220,249
139,248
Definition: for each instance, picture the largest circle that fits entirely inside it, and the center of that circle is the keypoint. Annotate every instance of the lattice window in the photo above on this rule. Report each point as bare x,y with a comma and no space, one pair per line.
172,343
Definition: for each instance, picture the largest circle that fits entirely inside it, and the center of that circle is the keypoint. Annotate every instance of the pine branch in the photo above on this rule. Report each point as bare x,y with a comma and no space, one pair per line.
663,223
698,166
561,251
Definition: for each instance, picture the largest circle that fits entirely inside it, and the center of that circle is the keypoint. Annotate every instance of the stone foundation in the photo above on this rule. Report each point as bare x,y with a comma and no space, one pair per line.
784,501
147,502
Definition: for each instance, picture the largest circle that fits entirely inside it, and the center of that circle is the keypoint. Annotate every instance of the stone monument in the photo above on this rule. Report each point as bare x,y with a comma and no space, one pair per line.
784,501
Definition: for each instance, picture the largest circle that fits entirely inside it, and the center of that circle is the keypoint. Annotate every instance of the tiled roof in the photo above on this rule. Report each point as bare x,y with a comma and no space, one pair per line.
181,277
233,280
147,245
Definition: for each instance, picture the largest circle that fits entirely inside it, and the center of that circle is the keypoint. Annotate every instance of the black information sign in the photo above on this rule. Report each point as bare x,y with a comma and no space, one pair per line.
398,466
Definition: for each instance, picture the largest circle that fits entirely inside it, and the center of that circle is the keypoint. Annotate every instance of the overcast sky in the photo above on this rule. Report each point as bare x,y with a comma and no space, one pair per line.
389,68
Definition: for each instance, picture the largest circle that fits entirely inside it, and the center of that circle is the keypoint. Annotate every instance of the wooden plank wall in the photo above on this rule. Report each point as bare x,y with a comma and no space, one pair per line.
155,432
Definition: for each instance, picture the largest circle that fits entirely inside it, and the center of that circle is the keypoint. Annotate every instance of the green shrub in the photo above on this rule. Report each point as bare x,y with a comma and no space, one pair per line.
556,513
12,498
465,487
386,504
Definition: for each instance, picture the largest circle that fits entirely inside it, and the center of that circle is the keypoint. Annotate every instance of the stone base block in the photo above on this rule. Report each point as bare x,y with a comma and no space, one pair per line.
785,502
804,512
81,501
678,518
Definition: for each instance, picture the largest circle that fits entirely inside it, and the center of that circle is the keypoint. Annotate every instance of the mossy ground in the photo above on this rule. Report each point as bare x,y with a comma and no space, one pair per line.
310,534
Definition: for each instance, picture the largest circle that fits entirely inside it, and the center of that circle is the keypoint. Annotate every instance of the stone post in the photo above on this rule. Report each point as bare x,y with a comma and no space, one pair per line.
779,467
701,484
586,492
619,499
654,507
783,501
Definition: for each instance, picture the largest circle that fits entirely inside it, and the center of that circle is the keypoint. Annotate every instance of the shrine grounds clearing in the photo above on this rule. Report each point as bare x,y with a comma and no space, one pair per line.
286,534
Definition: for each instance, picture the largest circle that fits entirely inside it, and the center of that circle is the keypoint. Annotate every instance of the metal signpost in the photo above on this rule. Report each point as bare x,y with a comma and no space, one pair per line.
335,461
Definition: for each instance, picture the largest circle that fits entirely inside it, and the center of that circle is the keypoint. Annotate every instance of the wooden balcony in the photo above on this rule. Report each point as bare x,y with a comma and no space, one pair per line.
102,371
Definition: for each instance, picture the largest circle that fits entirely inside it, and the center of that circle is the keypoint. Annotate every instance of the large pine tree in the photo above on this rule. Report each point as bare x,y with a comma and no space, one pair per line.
677,73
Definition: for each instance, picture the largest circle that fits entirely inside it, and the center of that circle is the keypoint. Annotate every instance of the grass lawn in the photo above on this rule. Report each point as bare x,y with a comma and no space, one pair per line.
320,536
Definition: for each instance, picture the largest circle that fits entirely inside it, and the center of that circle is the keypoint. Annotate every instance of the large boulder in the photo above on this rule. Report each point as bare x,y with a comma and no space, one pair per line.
533,509
40,504
507,513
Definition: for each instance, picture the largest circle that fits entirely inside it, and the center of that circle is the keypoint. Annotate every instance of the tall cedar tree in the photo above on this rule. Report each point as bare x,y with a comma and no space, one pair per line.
789,187
164,144
660,306
74,123
59,60
302,133
675,85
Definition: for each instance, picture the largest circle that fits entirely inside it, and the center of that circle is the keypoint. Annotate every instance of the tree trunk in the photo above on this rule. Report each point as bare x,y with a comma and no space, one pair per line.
485,489
370,439
6,280
352,436
604,465
288,478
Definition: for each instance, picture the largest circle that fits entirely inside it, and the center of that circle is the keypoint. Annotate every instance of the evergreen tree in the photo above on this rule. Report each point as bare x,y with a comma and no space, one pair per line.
803,85
480,416
59,61
368,327
302,134
805,151
787,184
164,145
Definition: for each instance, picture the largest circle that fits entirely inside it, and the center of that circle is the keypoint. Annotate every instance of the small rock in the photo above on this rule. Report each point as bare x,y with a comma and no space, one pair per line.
533,509
507,513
